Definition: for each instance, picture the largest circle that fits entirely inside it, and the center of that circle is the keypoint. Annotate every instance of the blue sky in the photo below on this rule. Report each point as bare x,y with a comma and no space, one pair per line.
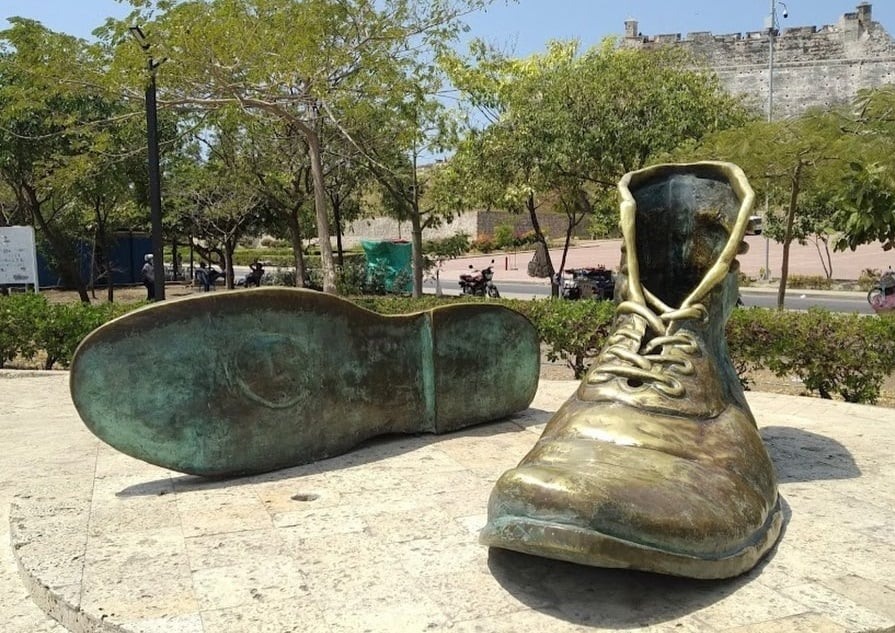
525,26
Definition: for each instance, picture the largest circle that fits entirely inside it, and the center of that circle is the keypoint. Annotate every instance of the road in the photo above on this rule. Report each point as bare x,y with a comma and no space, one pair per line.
795,299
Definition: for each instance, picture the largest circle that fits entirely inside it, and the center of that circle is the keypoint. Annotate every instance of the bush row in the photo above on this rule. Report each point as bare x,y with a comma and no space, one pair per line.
844,355
31,326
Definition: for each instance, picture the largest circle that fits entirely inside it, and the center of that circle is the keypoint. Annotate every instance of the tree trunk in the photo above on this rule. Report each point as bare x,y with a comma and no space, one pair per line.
69,263
416,238
337,222
298,253
110,284
536,226
787,235
229,249
326,251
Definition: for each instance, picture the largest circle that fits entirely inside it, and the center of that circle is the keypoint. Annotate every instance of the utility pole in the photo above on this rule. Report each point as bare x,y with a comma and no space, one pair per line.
773,25
155,187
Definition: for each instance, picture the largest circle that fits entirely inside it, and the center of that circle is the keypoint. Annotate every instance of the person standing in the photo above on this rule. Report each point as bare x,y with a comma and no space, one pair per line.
203,277
147,276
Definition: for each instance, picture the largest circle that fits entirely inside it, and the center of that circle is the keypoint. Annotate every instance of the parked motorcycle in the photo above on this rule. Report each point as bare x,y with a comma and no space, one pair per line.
882,296
479,283
586,283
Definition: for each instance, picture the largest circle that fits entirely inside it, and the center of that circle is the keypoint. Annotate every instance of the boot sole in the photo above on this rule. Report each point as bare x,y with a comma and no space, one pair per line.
263,379
581,546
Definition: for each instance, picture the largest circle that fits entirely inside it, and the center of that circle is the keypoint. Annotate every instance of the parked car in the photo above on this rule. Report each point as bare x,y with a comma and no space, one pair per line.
587,283
755,226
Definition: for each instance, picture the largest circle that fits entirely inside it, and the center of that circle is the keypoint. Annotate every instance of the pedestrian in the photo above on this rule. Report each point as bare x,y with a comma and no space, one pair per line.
203,277
147,276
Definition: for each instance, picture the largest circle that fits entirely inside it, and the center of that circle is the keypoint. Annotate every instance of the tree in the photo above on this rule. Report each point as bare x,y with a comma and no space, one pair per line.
568,125
865,209
215,198
304,63
787,159
57,133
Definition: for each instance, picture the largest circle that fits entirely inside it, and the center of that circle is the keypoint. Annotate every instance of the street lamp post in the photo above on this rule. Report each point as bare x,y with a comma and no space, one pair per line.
155,187
772,33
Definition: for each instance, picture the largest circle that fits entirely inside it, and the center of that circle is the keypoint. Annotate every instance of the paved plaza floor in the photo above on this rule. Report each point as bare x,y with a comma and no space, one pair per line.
385,538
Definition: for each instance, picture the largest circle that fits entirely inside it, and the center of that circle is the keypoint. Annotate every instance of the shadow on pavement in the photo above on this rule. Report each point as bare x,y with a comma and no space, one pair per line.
370,451
803,456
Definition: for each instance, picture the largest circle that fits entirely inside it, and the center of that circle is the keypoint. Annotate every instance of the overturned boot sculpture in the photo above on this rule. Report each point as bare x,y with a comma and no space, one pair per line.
256,380
655,463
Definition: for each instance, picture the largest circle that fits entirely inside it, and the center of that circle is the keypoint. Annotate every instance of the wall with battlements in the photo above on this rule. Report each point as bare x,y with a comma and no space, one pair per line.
813,66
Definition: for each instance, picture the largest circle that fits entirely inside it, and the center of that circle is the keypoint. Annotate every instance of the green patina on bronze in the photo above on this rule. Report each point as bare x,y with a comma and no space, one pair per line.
252,381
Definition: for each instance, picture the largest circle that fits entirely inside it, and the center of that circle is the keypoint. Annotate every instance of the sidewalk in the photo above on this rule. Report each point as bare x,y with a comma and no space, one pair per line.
384,538
804,260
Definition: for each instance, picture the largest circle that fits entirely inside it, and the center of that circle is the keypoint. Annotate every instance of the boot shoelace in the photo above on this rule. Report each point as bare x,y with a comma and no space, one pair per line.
644,367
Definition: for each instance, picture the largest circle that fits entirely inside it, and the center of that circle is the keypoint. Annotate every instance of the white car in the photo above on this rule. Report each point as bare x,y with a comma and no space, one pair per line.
754,226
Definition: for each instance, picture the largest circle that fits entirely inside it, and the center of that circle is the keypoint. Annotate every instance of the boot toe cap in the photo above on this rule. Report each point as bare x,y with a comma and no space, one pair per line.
628,506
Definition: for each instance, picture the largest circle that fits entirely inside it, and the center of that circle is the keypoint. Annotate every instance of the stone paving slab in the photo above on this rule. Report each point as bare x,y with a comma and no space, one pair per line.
384,538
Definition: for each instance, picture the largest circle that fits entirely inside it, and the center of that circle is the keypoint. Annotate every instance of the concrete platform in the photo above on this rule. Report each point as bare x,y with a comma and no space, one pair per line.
384,539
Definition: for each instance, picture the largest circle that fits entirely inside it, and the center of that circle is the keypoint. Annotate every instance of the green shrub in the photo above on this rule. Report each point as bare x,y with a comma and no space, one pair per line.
279,277
811,282
868,278
20,313
483,244
745,280
832,354
844,354
503,237
272,256
271,242
525,238
446,248
64,325
573,331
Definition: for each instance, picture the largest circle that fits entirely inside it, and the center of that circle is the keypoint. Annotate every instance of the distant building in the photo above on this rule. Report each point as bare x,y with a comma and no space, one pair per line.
813,66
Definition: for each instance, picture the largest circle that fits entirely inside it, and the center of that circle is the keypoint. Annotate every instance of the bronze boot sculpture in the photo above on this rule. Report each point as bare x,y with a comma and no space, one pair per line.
236,383
656,463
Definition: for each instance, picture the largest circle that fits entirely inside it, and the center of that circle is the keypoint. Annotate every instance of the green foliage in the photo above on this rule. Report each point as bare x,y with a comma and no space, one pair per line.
868,278
814,282
503,237
64,325
753,336
833,354
280,256
351,278
573,331
30,324
19,314
842,355
279,277
483,244
437,251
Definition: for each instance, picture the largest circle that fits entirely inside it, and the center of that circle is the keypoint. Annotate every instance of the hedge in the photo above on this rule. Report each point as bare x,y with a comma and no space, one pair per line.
844,355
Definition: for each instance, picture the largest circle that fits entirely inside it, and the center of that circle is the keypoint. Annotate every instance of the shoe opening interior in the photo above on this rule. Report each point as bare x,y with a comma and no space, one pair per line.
683,222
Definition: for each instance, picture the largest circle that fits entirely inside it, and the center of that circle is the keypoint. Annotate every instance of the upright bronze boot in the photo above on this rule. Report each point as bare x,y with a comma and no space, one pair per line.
655,463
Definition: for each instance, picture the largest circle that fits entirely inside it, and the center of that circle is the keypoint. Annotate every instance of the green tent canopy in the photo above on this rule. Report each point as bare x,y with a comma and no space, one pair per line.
390,259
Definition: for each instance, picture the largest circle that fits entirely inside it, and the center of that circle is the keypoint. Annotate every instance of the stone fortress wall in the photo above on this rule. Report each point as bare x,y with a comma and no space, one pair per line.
813,66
